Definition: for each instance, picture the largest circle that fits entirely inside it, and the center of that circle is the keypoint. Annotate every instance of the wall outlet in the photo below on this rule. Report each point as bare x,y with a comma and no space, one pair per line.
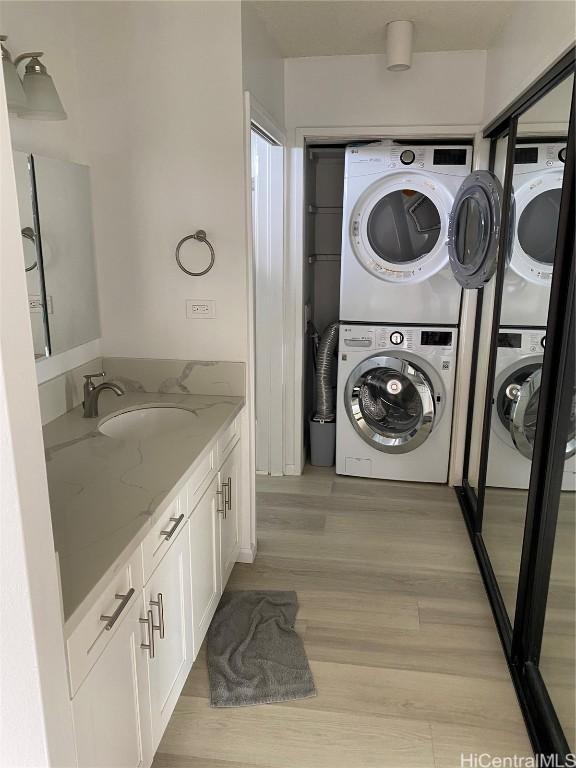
35,303
200,309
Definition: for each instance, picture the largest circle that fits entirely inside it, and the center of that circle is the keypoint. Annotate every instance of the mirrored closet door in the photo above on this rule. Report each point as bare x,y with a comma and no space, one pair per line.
537,176
518,492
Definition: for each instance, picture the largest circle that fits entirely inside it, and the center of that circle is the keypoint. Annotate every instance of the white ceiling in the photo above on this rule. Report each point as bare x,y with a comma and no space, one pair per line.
344,27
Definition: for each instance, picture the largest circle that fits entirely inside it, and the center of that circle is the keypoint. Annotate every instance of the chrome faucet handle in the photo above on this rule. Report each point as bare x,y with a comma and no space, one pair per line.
90,376
89,385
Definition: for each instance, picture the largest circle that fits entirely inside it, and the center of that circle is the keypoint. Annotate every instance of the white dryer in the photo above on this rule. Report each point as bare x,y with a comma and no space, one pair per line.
515,410
397,205
537,181
394,407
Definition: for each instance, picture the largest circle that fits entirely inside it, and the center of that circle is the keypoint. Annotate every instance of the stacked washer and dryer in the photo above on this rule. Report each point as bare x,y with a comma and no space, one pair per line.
399,311
537,181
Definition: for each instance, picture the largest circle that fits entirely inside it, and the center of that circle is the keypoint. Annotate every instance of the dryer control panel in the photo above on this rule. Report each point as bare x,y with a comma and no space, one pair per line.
529,158
382,157
362,338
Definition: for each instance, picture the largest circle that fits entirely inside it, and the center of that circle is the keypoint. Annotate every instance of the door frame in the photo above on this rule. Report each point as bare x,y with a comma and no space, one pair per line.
255,114
298,139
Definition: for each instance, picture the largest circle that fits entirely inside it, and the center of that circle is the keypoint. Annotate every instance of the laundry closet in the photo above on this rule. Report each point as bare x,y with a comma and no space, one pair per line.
381,289
324,185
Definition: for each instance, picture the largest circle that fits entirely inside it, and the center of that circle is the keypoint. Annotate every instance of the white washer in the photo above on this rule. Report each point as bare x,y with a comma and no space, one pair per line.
537,180
515,409
397,205
394,408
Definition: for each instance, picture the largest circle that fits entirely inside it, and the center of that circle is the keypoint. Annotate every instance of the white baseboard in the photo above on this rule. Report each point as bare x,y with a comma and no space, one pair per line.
247,555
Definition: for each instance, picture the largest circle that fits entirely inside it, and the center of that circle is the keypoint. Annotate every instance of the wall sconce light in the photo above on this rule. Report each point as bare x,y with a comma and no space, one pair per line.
35,96
399,45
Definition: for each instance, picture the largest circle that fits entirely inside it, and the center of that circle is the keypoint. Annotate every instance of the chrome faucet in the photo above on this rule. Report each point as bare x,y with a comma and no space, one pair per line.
92,393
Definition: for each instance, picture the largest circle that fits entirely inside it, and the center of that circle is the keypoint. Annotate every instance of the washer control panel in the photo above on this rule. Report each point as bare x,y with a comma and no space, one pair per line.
526,342
362,338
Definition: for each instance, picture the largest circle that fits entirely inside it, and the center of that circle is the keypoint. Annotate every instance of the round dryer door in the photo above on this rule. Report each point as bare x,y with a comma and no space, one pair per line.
390,403
538,208
524,415
399,226
474,230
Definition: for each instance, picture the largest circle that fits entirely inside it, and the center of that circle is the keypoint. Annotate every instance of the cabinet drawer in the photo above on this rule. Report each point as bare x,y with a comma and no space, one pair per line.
158,541
200,479
228,440
93,634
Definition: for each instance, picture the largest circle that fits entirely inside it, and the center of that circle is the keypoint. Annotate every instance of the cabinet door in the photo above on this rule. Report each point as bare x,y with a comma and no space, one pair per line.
168,596
112,706
205,560
230,518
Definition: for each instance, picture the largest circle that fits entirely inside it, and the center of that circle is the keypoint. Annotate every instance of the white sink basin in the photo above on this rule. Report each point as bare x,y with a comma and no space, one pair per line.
146,422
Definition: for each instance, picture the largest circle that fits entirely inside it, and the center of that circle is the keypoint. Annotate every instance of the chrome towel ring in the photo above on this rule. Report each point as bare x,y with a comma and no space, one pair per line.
28,234
200,235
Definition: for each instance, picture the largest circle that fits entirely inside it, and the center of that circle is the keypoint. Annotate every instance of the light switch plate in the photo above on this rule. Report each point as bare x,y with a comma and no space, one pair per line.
200,309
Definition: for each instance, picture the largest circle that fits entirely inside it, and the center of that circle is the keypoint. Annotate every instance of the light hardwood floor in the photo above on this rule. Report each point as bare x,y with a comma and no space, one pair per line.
397,627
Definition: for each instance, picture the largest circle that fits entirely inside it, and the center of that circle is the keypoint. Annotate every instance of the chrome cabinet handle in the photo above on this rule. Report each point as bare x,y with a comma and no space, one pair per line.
159,603
176,520
229,495
221,498
149,646
111,620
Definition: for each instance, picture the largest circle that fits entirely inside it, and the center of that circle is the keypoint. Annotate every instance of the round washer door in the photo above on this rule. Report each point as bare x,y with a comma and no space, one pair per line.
399,226
537,210
390,403
474,229
524,415
507,388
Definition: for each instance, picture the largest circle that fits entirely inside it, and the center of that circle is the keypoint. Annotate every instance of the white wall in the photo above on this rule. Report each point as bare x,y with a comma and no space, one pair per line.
154,96
262,65
163,113
534,37
35,712
439,89
50,27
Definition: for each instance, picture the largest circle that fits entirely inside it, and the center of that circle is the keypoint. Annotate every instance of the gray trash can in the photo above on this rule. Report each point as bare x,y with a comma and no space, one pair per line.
322,442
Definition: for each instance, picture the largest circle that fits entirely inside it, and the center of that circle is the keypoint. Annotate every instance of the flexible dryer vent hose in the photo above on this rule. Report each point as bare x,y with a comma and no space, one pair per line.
325,363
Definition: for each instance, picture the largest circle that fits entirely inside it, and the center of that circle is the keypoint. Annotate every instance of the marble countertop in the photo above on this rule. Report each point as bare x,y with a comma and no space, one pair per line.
106,493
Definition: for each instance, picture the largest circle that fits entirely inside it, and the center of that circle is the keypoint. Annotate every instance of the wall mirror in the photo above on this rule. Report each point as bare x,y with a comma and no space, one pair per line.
56,225
518,494
539,154
557,664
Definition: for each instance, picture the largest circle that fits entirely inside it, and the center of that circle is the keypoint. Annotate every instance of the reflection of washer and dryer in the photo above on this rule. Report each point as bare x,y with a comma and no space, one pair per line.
394,410
397,204
537,180
515,411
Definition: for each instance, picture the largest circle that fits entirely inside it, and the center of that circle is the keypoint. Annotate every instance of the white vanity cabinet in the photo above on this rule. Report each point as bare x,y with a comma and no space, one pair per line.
230,479
205,561
111,709
125,682
168,595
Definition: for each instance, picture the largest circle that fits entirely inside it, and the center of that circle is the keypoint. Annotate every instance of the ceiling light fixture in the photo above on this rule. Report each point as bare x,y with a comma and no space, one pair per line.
399,36
35,97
